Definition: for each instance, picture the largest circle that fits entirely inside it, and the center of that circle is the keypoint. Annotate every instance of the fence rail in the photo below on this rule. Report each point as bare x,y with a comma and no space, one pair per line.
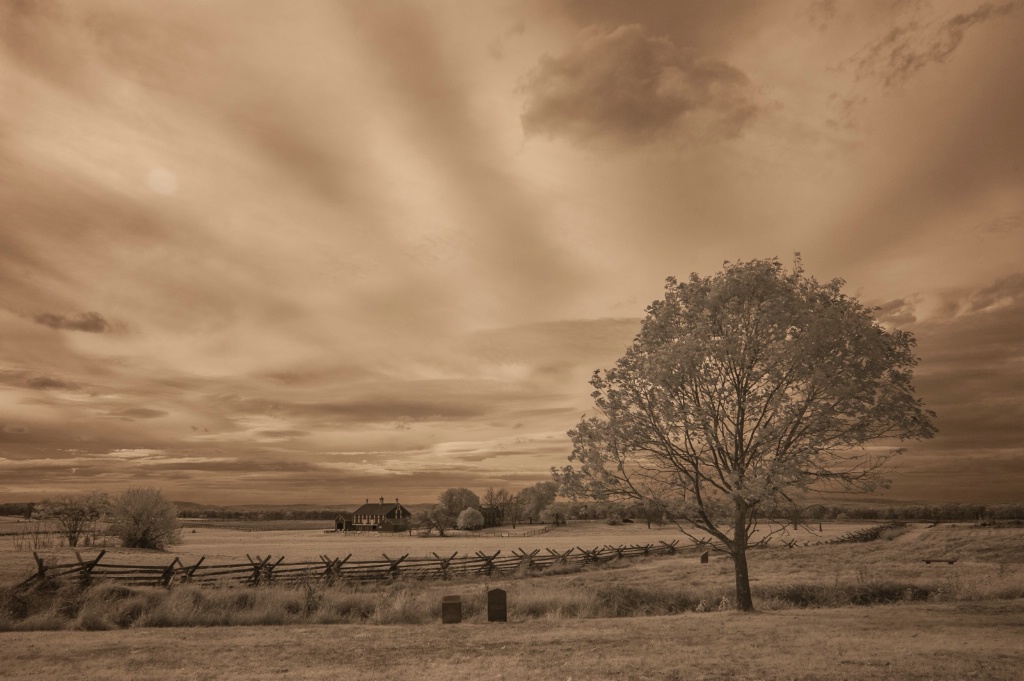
266,569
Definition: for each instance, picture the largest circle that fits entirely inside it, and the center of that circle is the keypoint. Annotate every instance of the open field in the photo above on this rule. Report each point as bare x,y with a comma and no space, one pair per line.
901,643
228,544
624,620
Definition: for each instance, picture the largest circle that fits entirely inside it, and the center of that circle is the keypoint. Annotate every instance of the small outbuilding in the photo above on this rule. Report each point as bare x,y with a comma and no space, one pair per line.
343,522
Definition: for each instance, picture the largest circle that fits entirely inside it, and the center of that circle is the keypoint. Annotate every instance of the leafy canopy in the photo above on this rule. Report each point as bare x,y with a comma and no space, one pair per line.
741,390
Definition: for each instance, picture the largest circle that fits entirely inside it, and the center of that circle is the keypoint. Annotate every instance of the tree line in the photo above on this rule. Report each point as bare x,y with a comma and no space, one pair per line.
616,512
140,517
464,509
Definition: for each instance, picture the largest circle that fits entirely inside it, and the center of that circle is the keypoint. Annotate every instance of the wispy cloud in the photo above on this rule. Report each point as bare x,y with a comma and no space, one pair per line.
908,48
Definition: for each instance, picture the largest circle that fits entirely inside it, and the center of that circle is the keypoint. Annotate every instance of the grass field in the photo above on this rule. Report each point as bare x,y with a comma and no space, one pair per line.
963,620
227,543
901,643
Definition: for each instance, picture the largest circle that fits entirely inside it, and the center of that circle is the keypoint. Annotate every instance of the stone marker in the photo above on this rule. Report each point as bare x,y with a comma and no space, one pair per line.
497,610
451,609
704,557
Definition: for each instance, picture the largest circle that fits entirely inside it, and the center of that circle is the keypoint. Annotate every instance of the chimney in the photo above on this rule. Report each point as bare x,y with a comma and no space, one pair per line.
382,501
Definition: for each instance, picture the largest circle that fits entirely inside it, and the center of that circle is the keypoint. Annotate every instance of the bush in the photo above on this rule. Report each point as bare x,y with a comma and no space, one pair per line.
470,519
144,519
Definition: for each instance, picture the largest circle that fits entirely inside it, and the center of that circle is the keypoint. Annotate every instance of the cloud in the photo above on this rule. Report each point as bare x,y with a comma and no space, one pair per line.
48,383
371,409
970,369
90,322
910,47
132,413
629,87
899,312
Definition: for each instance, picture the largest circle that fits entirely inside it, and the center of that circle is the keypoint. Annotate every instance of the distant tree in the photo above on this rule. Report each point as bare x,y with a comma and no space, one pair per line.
533,500
143,519
741,391
504,500
75,514
454,501
470,519
648,511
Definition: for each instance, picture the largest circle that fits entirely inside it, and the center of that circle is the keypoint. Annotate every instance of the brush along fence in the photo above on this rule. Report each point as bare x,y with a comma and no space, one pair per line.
266,569
867,534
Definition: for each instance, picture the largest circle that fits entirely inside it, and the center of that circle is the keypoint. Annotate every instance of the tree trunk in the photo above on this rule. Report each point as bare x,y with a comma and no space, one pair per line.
744,601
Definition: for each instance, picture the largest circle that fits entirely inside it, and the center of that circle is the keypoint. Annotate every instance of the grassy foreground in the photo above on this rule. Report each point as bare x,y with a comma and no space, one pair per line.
976,640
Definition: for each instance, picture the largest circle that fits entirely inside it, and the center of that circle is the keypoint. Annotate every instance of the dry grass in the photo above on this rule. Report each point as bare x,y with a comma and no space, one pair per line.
881,572
901,643
961,621
225,545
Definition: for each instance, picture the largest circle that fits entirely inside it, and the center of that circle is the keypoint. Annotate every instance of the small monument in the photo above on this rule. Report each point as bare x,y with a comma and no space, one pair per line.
704,557
497,610
451,609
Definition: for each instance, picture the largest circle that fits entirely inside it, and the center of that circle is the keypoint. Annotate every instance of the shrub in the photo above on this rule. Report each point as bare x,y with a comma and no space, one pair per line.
470,519
144,519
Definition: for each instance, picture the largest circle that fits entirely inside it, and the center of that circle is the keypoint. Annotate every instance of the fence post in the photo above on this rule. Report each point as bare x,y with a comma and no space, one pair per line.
488,567
189,571
85,567
444,564
258,566
165,578
40,566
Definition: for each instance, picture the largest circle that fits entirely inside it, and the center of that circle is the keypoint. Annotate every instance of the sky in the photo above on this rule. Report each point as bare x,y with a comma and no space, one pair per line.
270,252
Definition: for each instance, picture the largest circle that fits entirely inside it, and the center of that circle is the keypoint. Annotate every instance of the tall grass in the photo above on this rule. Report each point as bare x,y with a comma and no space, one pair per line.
111,606
819,577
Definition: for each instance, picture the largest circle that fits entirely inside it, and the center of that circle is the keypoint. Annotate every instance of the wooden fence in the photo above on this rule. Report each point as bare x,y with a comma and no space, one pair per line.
268,570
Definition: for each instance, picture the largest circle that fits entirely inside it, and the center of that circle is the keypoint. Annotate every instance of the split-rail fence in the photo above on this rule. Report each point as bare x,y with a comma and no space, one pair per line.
258,570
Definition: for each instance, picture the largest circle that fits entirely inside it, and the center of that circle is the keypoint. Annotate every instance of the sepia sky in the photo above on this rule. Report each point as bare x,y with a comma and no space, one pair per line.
278,252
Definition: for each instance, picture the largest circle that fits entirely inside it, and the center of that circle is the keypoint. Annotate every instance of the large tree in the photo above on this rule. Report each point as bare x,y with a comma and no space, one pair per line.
741,392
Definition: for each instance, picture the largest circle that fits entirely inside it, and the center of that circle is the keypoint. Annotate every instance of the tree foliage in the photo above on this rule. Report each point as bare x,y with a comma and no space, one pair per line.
436,518
470,519
534,499
143,518
455,500
75,514
742,391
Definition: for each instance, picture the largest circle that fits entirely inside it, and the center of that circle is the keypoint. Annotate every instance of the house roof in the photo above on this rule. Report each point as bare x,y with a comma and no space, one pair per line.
379,509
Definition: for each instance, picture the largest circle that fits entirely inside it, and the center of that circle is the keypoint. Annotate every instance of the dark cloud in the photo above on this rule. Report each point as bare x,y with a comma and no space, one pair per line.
372,409
90,322
26,379
48,383
899,312
624,85
281,434
132,413
1006,291
969,371
906,49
